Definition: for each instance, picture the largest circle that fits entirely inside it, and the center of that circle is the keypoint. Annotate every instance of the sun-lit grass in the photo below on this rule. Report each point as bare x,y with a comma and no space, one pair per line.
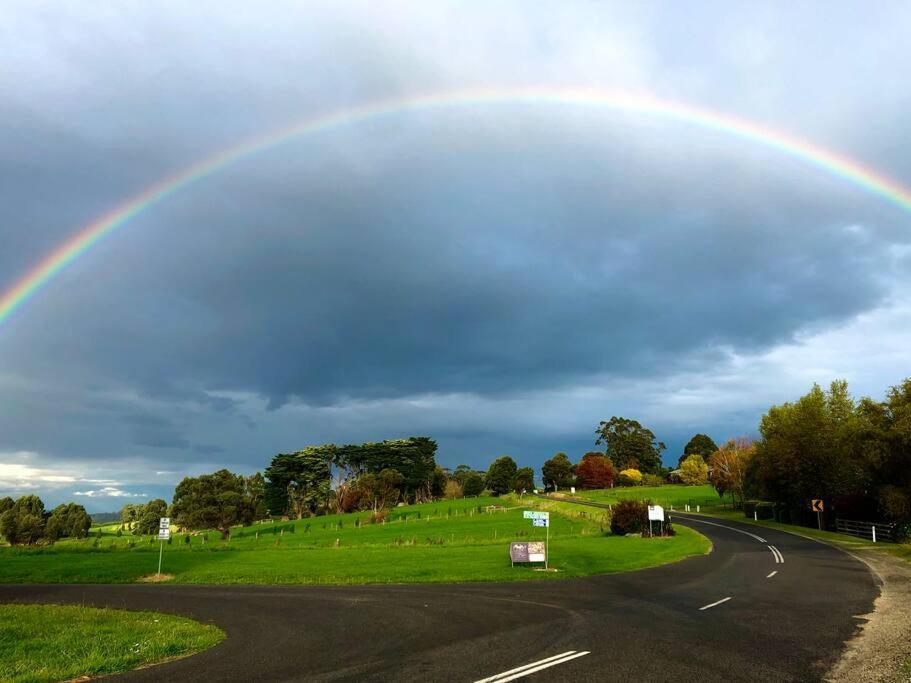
447,541
668,495
55,642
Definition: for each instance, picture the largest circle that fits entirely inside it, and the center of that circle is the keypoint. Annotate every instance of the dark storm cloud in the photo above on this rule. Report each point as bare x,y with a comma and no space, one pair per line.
154,431
476,267
489,261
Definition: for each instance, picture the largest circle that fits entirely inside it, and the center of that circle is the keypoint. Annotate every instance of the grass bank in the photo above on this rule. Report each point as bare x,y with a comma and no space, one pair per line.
56,643
448,541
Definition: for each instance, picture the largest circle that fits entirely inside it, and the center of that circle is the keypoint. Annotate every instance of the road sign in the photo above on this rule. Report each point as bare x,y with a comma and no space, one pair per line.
656,512
817,505
534,514
164,534
532,551
164,523
540,522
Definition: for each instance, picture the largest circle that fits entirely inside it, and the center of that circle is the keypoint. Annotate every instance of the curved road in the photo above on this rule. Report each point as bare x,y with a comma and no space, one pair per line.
660,624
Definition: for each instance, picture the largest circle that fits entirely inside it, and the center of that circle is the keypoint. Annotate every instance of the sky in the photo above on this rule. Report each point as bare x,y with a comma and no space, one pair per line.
500,276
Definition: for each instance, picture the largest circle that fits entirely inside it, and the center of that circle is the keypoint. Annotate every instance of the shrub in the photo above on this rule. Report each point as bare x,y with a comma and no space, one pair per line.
629,517
379,516
630,477
749,506
186,539
653,480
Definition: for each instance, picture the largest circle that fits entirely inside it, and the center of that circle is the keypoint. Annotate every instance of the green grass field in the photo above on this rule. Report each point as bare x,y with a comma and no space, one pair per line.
54,643
448,541
666,496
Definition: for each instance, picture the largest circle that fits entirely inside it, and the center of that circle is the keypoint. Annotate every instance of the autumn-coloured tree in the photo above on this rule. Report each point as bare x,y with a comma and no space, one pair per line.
728,466
594,471
693,470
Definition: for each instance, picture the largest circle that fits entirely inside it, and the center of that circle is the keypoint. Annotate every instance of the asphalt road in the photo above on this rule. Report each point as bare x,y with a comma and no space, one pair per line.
650,625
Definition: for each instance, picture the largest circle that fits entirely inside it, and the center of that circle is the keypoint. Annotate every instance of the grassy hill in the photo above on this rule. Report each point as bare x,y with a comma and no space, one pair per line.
448,541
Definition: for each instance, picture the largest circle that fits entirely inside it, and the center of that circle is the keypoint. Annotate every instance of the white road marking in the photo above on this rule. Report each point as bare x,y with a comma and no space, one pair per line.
778,556
713,604
774,554
772,574
534,667
739,531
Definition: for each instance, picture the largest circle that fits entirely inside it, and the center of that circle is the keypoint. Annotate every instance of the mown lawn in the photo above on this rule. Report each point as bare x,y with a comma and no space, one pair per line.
677,495
450,541
55,642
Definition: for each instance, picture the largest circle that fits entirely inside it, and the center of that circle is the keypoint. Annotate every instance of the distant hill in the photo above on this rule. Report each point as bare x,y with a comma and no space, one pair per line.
105,517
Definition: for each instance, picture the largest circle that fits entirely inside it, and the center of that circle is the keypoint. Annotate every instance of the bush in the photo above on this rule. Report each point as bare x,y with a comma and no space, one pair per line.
630,477
379,516
653,480
749,506
629,517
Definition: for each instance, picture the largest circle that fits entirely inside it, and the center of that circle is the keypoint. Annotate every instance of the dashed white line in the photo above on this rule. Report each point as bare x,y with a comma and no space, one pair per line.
714,604
772,574
534,667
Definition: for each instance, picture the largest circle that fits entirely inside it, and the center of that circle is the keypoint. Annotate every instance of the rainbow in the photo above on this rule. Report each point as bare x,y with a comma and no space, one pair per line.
84,239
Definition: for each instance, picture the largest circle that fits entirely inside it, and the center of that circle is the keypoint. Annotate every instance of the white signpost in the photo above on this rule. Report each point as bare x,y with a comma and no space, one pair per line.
539,519
164,534
655,513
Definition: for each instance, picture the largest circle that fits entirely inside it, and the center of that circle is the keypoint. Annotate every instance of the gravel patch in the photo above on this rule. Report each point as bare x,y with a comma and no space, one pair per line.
881,651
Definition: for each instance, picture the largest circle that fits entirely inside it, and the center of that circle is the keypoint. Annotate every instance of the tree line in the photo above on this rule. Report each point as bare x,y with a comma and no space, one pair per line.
26,522
855,455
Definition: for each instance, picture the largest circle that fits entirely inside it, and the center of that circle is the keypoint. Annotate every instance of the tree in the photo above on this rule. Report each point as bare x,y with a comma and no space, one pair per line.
701,444
629,445
501,474
5,504
150,516
68,520
212,501
558,472
255,488
524,480
23,523
298,483
728,467
460,473
474,484
807,449
453,490
381,490
438,483
594,471
694,470
630,477
129,514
